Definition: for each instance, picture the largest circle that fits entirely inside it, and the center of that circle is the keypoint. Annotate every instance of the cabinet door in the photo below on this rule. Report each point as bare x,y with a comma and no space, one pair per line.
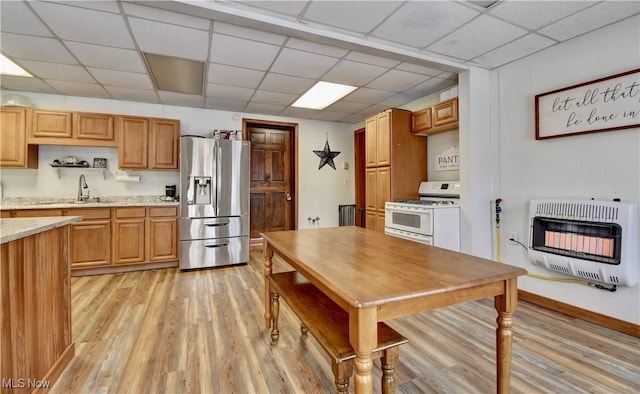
93,126
383,139
371,138
383,187
372,220
50,124
445,112
163,239
164,143
380,224
421,120
14,152
90,243
371,187
129,235
133,142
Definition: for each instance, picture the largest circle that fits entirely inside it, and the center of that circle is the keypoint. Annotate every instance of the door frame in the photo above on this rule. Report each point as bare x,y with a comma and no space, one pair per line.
256,243
360,176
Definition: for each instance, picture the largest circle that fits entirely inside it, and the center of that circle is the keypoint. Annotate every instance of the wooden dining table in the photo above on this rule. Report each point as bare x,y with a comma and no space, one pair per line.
377,277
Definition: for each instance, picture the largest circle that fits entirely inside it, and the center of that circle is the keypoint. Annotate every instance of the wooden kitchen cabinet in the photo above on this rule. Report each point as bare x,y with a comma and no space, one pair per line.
436,119
129,235
396,163
90,239
445,112
51,124
421,120
163,234
72,128
148,143
94,127
14,151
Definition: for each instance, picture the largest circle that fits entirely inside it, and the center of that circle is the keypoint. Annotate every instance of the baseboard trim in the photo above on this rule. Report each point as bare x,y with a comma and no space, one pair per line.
583,314
124,268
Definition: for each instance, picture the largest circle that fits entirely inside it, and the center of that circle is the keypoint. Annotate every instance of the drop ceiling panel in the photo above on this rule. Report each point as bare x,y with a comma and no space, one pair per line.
347,107
314,47
396,80
231,93
265,97
183,99
156,14
107,57
78,89
371,59
120,93
16,17
419,23
353,73
535,14
302,64
121,79
356,16
286,83
88,25
170,40
234,76
289,8
239,52
329,116
368,96
248,33
59,72
35,48
23,83
262,108
477,37
514,50
224,105
415,68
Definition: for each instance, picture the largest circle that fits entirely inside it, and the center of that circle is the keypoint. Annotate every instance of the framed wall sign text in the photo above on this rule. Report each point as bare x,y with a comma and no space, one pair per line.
605,104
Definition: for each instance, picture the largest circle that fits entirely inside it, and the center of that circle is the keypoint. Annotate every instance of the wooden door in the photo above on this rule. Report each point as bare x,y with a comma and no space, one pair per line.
133,133
164,143
272,202
360,177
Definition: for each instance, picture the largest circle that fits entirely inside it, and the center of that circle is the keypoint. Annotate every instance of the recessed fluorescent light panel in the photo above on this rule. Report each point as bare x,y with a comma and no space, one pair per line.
323,94
174,74
7,67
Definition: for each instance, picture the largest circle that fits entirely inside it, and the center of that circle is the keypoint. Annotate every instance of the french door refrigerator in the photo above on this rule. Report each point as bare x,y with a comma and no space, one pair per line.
214,206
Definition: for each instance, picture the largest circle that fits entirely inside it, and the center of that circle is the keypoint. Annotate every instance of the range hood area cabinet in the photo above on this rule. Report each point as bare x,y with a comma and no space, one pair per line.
14,151
396,163
436,119
148,143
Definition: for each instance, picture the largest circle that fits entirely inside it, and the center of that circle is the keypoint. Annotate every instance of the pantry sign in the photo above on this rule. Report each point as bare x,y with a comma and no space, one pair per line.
448,160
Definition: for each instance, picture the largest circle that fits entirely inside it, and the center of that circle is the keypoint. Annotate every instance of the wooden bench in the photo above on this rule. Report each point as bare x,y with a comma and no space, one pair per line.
329,324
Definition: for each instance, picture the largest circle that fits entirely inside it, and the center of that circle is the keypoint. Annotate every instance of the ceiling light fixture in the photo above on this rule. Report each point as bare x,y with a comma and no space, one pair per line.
7,67
175,74
323,94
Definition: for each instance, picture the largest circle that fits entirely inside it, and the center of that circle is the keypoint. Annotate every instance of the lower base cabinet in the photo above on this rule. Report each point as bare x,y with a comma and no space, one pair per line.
90,239
163,233
129,235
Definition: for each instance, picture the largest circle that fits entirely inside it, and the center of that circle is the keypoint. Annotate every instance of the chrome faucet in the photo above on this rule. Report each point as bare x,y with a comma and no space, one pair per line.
82,184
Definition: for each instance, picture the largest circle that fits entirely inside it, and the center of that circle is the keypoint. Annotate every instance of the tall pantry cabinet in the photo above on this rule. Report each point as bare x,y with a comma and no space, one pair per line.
396,162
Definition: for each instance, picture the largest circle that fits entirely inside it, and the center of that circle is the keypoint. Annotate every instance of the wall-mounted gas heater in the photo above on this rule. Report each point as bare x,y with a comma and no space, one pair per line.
593,240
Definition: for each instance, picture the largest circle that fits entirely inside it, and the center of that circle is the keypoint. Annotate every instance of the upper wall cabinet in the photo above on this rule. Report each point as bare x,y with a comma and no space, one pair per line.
437,119
72,128
14,151
148,143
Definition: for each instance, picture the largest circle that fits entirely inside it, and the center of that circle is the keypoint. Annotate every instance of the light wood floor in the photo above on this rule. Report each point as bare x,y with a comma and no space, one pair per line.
167,331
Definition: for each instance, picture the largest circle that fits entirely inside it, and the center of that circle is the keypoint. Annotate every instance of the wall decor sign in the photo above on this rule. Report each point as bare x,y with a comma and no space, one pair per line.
448,160
605,104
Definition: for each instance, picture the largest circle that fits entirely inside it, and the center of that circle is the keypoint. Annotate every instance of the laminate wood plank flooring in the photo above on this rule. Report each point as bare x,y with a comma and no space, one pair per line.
167,331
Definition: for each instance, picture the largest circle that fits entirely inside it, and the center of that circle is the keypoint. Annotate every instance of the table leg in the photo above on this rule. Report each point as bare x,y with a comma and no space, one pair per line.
505,304
268,267
363,336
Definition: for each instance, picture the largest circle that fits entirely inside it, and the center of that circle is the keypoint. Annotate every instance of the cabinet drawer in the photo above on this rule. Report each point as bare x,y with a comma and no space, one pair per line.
213,228
133,212
214,252
163,211
30,213
89,213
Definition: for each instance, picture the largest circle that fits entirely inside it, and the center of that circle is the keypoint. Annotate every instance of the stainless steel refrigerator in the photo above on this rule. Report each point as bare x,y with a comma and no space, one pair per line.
214,202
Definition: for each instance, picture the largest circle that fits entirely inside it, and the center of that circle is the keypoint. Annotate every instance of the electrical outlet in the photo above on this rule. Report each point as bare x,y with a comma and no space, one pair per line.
514,237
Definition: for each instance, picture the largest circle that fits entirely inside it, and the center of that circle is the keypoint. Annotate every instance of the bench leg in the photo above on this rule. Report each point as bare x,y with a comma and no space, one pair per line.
303,329
275,314
389,360
342,373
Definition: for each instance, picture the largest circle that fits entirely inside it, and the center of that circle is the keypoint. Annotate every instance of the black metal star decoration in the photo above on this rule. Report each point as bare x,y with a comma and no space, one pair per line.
326,156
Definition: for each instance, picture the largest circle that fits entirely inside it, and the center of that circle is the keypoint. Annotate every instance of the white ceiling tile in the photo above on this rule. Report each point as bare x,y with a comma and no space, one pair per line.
418,69
291,8
368,96
432,85
84,25
57,71
521,47
396,80
78,89
265,97
171,40
299,112
358,16
16,17
147,96
592,18
286,84
262,108
353,73
231,93
121,79
371,59
314,47
174,98
448,75
239,52
236,76
224,105
372,110
481,35
346,107
356,118
35,48
108,6
248,33
535,14
157,14
419,23
25,83
302,64
329,116
107,57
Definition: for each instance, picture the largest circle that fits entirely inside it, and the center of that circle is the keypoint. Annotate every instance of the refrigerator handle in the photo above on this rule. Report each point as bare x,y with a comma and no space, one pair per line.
216,245
218,176
216,222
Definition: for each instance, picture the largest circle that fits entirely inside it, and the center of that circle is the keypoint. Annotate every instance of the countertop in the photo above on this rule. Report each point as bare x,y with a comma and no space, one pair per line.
70,202
16,228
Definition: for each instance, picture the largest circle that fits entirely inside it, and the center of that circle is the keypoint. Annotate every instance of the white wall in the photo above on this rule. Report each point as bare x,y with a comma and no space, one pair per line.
319,191
600,165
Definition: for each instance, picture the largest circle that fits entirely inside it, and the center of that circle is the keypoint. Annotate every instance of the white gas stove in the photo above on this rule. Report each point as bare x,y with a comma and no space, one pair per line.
434,219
